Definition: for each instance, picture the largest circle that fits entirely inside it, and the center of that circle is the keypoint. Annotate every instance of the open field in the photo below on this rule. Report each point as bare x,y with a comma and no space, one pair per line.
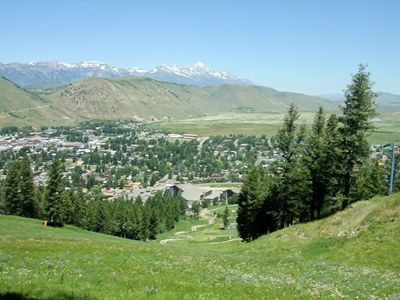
231,123
266,123
350,255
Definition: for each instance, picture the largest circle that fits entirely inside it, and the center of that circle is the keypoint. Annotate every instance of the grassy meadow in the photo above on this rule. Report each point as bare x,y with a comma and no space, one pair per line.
353,254
388,129
231,123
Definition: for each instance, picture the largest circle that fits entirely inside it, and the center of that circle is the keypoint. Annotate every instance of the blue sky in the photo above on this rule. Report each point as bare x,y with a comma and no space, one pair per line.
311,47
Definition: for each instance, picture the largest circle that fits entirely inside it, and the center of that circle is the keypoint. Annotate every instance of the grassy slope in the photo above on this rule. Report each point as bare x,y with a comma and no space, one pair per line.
351,254
13,98
20,108
266,99
188,108
147,98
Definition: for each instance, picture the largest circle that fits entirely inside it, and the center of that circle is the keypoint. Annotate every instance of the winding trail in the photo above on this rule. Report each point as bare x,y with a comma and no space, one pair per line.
181,237
194,228
179,233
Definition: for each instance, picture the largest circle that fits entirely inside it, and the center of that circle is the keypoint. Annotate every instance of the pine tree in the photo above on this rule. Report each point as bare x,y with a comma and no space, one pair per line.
52,203
27,191
358,110
252,215
79,209
39,196
321,159
154,223
67,209
196,207
225,217
95,216
292,176
11,190
370,180
153,180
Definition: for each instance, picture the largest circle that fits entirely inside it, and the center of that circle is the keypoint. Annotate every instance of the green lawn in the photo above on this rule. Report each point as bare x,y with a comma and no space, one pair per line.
354,253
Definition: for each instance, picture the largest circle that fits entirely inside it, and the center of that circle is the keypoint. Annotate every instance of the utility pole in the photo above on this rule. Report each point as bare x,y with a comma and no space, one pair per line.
392,172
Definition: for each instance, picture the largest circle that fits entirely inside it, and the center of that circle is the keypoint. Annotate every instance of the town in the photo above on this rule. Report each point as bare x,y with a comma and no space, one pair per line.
111,159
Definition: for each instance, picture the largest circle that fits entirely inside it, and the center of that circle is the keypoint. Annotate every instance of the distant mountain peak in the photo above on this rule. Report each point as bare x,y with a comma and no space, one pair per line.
33,62
38,71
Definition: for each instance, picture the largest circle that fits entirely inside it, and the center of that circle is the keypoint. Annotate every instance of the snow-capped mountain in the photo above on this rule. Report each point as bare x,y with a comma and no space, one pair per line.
199,74
36,72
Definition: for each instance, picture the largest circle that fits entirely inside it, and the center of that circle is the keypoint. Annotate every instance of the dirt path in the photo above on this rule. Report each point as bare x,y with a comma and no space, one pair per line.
179,233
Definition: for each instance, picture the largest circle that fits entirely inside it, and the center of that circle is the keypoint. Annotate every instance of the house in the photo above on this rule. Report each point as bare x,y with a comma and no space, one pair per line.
174,136
190,136
108,193
4,149
226,194
37,173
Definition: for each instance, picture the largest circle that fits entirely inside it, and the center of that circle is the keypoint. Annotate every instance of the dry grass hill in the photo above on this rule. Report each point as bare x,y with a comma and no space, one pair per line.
143,98
21,108
139,98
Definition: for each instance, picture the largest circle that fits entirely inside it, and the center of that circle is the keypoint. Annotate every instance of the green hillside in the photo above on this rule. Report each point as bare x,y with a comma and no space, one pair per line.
233,108
13,98
143,98
266,99
352,255
21,108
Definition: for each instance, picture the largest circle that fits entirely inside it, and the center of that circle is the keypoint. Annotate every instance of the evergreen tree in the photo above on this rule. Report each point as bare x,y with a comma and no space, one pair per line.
67,209
225,217
28,202
78,217
11,187
358,110
252,218
292,177
38,195
2,202
52,202
95,216
333,166
370,180
154,223
145,224
196,207
153,180
321,159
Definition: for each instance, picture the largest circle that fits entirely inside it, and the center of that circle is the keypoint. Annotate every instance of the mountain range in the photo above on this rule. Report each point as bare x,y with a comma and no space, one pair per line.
65,94
35,72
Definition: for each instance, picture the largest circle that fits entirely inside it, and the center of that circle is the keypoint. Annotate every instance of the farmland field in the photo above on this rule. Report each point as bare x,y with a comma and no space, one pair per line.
265,123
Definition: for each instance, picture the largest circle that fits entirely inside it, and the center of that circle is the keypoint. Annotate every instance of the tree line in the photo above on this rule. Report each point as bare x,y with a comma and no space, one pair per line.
128,218
320,171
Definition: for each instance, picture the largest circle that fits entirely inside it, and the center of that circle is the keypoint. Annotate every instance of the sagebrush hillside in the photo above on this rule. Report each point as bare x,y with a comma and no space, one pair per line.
21,108
352,254
140,98
143,98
